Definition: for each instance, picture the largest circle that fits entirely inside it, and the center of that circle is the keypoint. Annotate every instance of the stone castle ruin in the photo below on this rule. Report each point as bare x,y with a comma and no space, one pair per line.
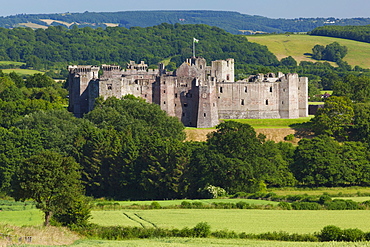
197,94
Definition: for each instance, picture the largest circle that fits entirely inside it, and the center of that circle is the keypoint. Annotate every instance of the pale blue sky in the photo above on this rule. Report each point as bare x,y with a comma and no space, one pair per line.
268,8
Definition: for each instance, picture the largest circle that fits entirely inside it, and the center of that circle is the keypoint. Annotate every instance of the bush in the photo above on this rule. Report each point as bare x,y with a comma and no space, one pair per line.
242,205
155,205
339,204
306,206
330,233
285,205
353,235
185,204
202,230
289,137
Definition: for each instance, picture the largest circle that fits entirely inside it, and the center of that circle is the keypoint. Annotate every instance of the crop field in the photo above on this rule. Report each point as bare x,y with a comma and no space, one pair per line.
300,47
238,220
167,203
206,242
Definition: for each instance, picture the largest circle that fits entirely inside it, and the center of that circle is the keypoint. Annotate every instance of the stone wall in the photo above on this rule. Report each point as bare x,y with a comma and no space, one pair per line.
195,93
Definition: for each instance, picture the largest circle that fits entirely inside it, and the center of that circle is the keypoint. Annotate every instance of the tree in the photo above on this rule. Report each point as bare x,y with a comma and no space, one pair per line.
334,118
50,179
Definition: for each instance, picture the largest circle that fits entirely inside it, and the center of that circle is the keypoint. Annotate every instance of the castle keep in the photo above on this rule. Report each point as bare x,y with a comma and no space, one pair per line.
197,94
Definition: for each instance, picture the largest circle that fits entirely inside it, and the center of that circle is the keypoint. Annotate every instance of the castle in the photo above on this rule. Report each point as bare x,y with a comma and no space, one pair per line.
197,94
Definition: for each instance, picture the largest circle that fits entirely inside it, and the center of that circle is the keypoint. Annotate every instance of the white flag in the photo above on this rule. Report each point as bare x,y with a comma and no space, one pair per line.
195,40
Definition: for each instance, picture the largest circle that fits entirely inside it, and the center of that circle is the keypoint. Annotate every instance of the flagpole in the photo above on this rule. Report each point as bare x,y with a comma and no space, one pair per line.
194,41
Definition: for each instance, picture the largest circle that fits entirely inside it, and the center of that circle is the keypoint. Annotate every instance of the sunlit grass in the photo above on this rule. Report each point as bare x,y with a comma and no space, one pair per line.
242,220
300,47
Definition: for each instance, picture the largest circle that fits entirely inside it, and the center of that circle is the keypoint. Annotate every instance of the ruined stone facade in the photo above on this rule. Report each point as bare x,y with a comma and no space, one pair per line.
197,94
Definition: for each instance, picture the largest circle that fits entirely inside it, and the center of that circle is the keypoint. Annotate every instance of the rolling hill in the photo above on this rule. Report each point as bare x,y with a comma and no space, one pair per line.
300,47
232,22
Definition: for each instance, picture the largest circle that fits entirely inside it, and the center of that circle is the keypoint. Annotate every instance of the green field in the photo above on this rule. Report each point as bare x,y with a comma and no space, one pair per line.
300,46
238,220
271,123
30,217
12,62
22,71
168,203
334,191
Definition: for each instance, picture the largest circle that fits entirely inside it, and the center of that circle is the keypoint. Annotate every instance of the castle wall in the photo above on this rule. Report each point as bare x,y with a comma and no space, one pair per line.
195,93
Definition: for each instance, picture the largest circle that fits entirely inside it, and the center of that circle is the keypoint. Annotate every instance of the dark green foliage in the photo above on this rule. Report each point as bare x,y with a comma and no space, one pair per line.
155,205
334,118
285,205
74,213
332,52
339,204
353,235
51,180
334,233
306,206
202,230
330,233
359,33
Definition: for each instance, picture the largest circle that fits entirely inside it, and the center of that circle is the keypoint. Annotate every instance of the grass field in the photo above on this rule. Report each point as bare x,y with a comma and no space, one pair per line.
352,191
300,47
271,123
11,62
30,217
238,220
22,71
204,201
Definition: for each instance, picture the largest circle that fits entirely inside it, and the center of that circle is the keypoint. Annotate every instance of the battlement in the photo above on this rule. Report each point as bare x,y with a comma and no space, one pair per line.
195,93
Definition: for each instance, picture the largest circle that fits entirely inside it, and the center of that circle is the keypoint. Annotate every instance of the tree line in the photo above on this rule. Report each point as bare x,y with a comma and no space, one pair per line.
358,33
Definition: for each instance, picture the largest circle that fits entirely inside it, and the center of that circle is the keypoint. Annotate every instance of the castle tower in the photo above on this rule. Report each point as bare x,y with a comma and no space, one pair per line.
223,70
79,79
303,96
289,96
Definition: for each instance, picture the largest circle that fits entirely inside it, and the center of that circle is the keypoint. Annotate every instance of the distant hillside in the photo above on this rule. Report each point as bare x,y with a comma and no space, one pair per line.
232,22
300,47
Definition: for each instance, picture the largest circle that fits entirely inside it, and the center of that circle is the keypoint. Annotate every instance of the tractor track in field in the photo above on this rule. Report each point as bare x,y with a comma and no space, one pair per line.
138,219
145,220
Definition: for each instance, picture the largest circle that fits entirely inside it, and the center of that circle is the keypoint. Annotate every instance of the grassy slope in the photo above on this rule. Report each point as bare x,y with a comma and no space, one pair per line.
241,220
299,45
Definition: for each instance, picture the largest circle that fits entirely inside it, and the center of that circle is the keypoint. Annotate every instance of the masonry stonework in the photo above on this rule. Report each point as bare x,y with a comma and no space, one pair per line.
197,94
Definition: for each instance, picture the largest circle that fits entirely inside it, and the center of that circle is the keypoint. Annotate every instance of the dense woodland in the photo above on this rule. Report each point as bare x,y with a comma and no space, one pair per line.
232,22
358,33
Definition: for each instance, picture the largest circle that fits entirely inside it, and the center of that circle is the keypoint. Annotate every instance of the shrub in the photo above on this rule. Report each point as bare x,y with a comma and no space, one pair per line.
339,204
289,137
224,234
202,230
185,204
197,204
306,206
213,192
330,233
242,205
155,205
353,235
285,205
324,199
